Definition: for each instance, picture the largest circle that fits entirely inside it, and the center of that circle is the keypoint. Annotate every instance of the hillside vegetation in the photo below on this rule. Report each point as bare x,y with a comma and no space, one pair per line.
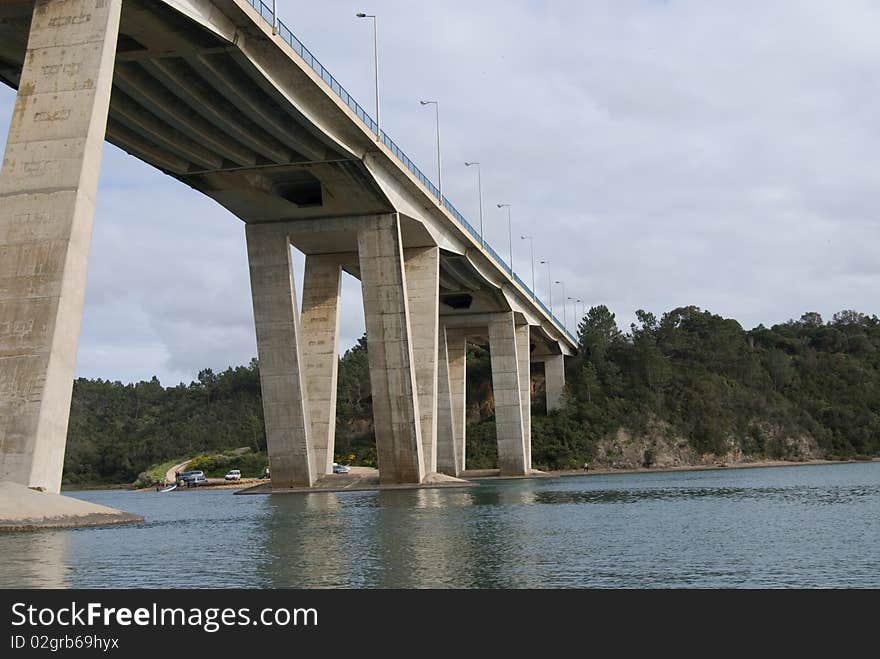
690,387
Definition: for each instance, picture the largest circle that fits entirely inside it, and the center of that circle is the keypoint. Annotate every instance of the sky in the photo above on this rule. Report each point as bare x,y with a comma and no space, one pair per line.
661,153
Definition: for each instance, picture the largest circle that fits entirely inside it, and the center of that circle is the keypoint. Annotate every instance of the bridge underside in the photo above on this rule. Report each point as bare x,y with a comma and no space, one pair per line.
202,90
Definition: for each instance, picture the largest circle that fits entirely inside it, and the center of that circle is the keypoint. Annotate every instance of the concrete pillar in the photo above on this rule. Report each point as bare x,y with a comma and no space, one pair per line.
506,389
451,403
276,319
447,461
396,417
554,380
422,265
320,346
523,350
48,186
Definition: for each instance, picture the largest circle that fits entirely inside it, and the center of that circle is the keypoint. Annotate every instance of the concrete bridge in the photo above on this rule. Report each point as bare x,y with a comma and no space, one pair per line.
221,96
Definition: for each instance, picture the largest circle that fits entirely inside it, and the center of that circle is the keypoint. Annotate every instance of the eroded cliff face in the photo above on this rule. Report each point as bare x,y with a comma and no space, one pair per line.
661,447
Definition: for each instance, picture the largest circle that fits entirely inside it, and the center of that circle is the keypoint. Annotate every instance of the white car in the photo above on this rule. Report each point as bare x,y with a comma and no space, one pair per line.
233,475
340,469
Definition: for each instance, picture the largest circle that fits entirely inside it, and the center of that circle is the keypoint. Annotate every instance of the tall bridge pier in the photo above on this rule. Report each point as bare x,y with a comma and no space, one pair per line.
218,96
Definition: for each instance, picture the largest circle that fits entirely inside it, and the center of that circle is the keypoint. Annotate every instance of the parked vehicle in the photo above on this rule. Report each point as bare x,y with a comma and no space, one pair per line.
193,478
340,469
233,475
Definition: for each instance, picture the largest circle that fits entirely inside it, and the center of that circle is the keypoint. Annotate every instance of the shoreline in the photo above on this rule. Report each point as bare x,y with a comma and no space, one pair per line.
492,474
758,464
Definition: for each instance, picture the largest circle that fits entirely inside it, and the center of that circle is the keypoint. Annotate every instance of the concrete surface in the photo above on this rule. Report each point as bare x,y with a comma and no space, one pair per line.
396,416
359,479
554,380
446,458
276,318
47,203
422,266
451,448
322,281
523,349
24,509
506,386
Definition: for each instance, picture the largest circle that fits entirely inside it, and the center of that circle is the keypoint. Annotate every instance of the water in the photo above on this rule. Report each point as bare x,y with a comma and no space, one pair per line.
811,526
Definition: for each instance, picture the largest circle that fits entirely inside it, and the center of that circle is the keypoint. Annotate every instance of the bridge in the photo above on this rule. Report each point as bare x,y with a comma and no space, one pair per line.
222,96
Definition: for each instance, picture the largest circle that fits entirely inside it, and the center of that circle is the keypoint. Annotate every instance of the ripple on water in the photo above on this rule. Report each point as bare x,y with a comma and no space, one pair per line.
808,527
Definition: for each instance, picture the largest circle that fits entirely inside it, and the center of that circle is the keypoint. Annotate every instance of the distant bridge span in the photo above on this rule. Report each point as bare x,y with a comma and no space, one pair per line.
222,97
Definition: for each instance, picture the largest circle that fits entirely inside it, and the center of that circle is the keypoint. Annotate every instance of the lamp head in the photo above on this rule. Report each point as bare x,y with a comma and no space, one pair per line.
468,164
361,14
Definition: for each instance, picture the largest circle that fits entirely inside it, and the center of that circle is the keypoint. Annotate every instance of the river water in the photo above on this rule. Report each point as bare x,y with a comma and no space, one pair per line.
807,526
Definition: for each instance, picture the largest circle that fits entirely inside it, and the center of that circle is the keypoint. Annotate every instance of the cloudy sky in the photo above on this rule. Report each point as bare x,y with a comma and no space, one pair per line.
663,153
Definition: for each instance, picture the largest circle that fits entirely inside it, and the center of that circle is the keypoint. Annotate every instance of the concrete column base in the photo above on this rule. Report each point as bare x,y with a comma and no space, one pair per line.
554,380
506,388
523,349
276,319
396,416
422,266
451,426
47,205
320,343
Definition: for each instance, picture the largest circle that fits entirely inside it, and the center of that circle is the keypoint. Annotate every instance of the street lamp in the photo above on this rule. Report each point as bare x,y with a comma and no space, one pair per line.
549,284
480,189
274,17
509,235
439,165
564,319
376,65
532,252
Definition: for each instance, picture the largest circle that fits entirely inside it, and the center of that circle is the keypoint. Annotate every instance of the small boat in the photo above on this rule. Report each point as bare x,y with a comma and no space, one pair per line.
171,487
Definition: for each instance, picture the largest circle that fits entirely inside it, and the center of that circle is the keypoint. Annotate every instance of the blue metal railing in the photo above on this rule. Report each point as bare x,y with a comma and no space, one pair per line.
265,12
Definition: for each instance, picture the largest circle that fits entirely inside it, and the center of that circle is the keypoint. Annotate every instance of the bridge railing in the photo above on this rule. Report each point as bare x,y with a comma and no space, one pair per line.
265,12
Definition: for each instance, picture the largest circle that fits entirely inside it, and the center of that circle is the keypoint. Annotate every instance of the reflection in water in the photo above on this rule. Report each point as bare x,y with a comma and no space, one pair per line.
305,541
787,527
34,559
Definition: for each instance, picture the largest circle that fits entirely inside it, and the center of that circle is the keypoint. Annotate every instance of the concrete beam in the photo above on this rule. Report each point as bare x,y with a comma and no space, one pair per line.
276,319
126,111
396,415
523,349
451,422
422,266
47,201
158,100
183,81
252,101
506,389
320,341
136,145
554,380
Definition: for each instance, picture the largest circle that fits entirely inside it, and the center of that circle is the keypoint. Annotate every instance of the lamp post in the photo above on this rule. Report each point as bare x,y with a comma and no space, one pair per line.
376,66
480,190
564,319
274,17
532,253
439,164
549,284
509,235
